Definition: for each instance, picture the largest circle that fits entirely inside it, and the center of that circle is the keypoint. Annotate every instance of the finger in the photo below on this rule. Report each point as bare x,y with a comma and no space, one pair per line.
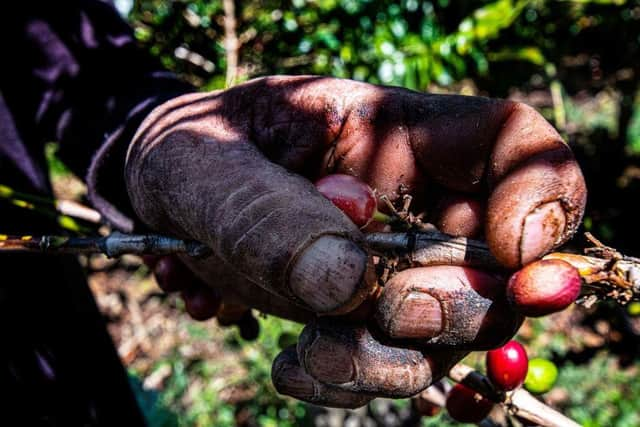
460,215
474,145
447,306
351,358
291,380
536,191
270,225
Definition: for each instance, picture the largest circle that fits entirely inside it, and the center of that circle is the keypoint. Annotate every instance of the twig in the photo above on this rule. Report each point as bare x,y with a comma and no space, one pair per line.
427,248
77,210
609,275
38,203
113,245
519,402
63,211
231,43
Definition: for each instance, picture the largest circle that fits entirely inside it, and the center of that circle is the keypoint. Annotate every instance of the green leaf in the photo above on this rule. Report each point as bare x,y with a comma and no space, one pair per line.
528,53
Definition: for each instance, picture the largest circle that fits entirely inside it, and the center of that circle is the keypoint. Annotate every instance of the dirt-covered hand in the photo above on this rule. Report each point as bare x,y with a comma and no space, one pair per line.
234,169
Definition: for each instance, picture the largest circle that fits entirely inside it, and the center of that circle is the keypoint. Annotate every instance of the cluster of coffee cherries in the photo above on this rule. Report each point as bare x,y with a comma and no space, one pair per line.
508,368
540,288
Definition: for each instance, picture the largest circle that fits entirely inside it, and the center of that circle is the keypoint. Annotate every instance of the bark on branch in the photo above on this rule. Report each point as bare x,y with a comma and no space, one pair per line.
606,274
113,245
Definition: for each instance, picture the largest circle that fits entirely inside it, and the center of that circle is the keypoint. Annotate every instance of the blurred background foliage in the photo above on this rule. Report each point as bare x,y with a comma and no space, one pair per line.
578,62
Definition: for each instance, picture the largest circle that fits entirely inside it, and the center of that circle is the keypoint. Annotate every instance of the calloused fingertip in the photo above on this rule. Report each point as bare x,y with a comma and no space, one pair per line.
447,307
324,357
290,379
330,275
362,364
415,315
536,207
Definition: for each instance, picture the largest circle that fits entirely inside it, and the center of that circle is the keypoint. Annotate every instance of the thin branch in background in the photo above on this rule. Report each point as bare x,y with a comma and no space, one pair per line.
64,212
559,111
231,42
78,210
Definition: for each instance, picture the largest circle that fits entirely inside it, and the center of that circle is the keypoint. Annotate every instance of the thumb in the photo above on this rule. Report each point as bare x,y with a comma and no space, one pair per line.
271,226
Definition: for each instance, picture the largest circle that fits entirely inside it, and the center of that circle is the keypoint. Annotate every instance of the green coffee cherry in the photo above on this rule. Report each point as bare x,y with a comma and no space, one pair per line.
634,309
541,376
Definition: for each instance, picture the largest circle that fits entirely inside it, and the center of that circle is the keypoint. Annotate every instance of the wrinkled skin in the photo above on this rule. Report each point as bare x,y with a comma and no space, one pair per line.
233,169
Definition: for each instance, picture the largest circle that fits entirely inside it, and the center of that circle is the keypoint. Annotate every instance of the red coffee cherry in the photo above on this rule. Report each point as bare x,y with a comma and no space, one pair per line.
466,406
544,287
352,196
507,366
201,303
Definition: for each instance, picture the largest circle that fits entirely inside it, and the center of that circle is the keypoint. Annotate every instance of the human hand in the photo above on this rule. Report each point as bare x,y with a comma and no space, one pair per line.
233,169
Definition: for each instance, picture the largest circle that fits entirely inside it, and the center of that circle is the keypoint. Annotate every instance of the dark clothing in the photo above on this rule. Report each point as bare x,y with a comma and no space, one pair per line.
70,73
74,75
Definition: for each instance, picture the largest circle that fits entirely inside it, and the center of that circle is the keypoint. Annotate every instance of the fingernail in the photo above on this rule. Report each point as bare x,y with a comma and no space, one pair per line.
418,316
329,361
542,229
291,380
328,274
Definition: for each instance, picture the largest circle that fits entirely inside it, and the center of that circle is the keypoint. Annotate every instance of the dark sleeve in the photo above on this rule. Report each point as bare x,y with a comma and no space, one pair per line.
72,73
